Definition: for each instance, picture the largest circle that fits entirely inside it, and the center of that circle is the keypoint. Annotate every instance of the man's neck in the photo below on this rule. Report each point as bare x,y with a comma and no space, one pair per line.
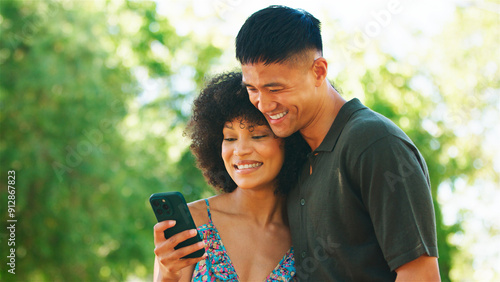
328,108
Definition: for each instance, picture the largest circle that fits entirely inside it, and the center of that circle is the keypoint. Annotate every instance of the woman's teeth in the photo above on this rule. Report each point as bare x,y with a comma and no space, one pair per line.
248,165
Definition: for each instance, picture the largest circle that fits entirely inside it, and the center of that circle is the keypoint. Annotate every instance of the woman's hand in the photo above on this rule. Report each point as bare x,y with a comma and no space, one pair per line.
168,263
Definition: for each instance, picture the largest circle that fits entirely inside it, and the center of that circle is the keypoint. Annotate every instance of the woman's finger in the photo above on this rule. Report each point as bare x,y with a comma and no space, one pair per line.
182,252
181,237
159,228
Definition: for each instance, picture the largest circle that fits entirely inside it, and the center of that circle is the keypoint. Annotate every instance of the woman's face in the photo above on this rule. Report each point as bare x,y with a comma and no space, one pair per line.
253,156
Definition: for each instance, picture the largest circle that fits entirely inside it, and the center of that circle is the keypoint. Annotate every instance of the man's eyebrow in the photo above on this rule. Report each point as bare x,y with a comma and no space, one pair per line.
272,84
244,84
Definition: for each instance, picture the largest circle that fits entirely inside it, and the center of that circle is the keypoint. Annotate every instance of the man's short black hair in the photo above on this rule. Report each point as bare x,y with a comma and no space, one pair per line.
277,33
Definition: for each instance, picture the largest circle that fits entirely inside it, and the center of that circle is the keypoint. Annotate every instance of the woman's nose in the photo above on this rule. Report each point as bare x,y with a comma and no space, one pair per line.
242,148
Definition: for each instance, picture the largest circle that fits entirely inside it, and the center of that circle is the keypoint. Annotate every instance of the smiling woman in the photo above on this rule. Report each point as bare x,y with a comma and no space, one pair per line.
252,155
240,155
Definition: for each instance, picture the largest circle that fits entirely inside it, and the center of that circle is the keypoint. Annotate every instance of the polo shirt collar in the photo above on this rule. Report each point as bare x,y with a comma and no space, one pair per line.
338,124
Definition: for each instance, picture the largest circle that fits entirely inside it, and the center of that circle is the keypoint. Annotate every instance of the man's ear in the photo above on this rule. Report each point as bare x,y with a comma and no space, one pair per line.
320,70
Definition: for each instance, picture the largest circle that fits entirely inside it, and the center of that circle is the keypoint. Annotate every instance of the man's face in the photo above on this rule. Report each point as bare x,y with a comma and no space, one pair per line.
285,93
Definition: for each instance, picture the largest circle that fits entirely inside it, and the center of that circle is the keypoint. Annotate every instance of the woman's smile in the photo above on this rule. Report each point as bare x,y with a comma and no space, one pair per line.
252,155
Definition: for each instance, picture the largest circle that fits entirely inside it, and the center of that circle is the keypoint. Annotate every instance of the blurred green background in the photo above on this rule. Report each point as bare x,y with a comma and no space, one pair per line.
94,97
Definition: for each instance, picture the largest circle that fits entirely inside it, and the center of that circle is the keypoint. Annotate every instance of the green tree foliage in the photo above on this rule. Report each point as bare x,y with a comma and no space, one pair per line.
68,108
464,70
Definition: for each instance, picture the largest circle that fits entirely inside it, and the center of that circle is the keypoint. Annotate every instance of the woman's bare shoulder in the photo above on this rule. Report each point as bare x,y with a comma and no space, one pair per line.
198,211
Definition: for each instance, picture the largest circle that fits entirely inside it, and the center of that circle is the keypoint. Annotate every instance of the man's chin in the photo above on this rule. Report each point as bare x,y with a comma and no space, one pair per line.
281,132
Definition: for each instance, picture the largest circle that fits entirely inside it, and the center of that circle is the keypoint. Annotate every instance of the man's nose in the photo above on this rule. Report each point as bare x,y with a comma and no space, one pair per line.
265,103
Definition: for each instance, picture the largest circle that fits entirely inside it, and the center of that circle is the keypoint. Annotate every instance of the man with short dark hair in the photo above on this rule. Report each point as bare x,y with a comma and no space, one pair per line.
362,209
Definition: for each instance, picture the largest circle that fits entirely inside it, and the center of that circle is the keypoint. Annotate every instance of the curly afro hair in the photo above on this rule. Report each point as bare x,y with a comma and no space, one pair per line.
224,99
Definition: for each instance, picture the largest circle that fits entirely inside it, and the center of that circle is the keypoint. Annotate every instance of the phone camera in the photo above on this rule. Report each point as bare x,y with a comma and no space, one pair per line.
156,203
166,207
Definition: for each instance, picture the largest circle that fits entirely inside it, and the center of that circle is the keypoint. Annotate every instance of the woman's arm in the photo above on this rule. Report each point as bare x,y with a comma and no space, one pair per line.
186,273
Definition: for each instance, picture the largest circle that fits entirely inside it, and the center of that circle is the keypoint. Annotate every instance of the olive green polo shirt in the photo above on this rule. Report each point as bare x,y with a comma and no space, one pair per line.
362,206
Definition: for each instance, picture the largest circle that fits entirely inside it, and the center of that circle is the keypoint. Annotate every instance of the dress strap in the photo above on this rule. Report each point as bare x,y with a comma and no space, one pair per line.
208,211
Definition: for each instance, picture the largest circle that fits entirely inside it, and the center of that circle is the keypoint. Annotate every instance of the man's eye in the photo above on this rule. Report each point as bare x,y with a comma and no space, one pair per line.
274,90
229,139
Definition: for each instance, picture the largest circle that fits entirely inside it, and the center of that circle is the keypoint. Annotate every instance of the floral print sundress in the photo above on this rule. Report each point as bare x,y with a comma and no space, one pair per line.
218,266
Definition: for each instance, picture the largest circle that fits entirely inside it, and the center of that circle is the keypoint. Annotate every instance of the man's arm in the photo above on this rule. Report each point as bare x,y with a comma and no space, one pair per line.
424,268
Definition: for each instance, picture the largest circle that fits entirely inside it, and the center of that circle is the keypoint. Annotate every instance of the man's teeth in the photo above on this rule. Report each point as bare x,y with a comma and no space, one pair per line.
277,116
249,165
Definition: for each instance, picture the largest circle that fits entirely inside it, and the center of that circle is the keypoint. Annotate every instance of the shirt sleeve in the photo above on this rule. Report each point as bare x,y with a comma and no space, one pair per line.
395,189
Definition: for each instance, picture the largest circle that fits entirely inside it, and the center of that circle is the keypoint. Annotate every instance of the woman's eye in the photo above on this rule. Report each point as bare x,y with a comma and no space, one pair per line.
229,139
259,136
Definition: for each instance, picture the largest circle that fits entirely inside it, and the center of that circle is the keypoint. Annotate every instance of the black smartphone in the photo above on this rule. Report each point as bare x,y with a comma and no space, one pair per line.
172,206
